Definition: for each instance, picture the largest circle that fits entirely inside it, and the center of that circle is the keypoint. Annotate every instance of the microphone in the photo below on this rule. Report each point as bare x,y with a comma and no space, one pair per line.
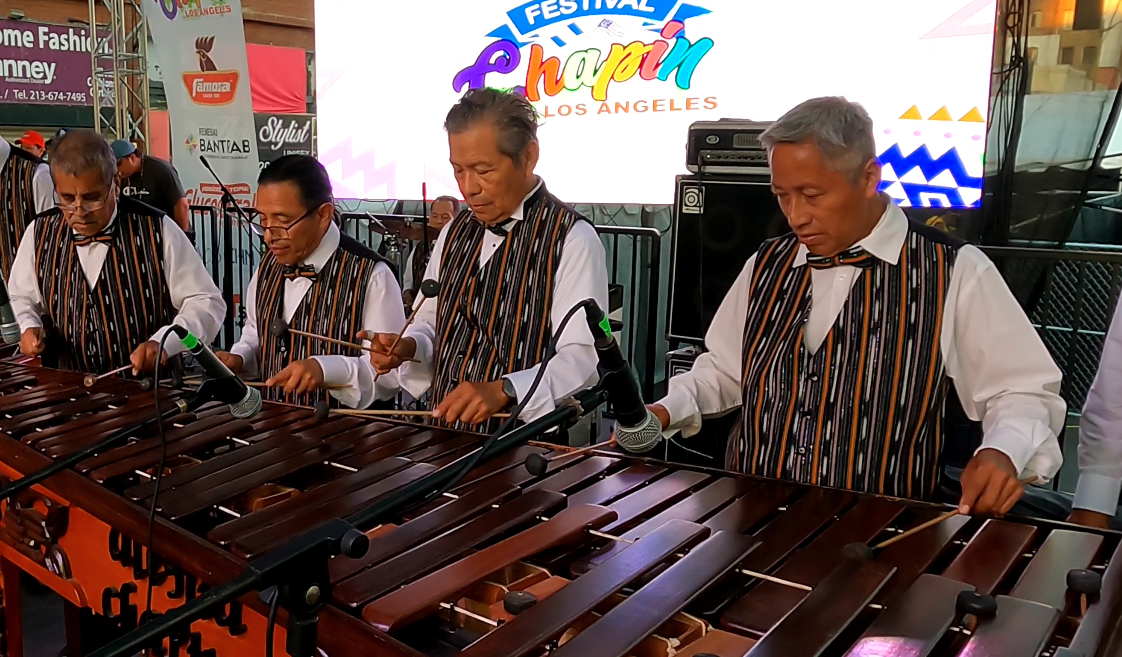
637,429
9,327
222,385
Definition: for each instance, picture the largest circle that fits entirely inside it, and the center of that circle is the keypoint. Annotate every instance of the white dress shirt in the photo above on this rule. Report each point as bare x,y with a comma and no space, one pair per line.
581,274
193,294
382,313
1001,369
41,185
1100,430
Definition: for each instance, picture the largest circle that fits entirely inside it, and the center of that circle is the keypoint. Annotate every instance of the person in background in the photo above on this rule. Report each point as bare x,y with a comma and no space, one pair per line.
98,281
1100,439
444,210
849,342
153,181
26,190
33,143
318,280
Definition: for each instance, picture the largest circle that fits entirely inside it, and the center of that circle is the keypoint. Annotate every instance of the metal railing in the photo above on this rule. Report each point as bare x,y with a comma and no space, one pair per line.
1070,297
231,274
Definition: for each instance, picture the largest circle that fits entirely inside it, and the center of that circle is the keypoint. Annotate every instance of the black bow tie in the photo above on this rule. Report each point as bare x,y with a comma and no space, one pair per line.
853,257
301,271
502,228
100,238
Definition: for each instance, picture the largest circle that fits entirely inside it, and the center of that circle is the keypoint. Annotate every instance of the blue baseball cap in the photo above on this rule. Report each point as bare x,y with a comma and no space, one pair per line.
122,148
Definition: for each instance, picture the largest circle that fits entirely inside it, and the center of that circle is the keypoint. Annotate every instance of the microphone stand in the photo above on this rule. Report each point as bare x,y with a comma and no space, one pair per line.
228,200
299,567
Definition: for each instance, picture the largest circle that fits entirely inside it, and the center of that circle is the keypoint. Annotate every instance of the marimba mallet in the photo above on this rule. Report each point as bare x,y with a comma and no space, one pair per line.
279,328
429,290
89,380
915,530
972,607
536,464
390,413
1087,584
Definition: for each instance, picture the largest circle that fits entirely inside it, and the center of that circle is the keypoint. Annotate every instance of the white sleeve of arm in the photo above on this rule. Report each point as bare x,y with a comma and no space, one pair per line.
1100,430
23,283
44,187
1002,371
193,293
416,378
249,345
713,385
382,313
581,274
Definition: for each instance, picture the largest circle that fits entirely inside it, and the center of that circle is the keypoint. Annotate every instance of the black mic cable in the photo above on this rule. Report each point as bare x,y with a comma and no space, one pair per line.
159,479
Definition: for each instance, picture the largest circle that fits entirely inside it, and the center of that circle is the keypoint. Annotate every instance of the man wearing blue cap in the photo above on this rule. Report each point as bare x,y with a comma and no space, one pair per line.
151,180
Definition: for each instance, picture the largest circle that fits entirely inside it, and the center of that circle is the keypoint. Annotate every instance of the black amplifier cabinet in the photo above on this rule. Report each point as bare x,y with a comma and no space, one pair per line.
718,223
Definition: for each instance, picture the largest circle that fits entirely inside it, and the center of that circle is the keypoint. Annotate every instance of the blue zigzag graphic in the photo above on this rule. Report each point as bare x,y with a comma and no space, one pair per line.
931,167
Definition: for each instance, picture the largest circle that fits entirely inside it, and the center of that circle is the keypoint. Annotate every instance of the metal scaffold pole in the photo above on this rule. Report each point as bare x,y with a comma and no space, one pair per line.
120,70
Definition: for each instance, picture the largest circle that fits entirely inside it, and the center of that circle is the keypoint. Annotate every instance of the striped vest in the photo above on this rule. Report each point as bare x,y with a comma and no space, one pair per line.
96,330
17,203
865,411
332,307
496,320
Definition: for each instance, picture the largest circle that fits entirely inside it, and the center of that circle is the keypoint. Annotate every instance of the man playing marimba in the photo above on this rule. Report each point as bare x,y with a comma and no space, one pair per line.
100,279
843,342
317,280
508,274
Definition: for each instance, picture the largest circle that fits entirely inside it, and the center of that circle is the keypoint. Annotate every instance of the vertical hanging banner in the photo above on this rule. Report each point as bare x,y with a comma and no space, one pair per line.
200,45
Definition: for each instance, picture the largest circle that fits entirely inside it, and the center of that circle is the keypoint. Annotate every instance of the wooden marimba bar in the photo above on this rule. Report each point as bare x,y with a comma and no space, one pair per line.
602,555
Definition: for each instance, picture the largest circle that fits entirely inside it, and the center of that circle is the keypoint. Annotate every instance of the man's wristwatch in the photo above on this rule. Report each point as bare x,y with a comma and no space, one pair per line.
509,390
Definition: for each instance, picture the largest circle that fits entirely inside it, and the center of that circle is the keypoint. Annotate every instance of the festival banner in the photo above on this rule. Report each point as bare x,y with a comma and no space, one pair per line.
200,45
44,64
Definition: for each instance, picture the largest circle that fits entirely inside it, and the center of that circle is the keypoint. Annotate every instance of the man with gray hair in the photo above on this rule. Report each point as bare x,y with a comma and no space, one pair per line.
509,271
852,343
97,282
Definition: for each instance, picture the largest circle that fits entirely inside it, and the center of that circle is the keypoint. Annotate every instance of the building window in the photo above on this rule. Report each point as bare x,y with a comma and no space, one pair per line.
1090,56
1069,19
1067,56
1036,18
1032,52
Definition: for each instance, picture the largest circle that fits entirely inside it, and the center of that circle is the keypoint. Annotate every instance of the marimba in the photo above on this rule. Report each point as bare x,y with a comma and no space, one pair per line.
602,556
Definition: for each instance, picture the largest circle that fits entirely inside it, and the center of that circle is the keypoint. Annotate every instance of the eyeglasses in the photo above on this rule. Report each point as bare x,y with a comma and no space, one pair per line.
87,206
261,230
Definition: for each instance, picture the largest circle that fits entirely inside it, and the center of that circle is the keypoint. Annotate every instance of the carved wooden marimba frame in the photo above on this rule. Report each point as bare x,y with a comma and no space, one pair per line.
603,555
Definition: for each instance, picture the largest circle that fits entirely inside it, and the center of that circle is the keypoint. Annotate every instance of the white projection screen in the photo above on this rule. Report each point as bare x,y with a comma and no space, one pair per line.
618,82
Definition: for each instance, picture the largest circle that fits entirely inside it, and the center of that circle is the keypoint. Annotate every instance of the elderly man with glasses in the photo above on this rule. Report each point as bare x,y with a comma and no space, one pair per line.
97,282
317,280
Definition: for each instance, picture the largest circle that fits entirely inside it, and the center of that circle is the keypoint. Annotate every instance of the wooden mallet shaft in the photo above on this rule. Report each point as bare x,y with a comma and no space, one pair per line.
341,343
389,413
915,530
536,464
89,380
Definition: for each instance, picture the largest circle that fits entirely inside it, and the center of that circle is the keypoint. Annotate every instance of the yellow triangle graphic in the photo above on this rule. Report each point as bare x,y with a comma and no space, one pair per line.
912,114
973,116
942,114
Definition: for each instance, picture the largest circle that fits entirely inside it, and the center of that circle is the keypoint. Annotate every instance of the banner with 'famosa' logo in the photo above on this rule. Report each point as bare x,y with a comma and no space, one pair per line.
200,45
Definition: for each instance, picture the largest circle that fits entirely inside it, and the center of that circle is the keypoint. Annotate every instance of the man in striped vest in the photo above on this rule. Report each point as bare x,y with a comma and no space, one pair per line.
25,191
317,280
97,282
847,342
509,271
